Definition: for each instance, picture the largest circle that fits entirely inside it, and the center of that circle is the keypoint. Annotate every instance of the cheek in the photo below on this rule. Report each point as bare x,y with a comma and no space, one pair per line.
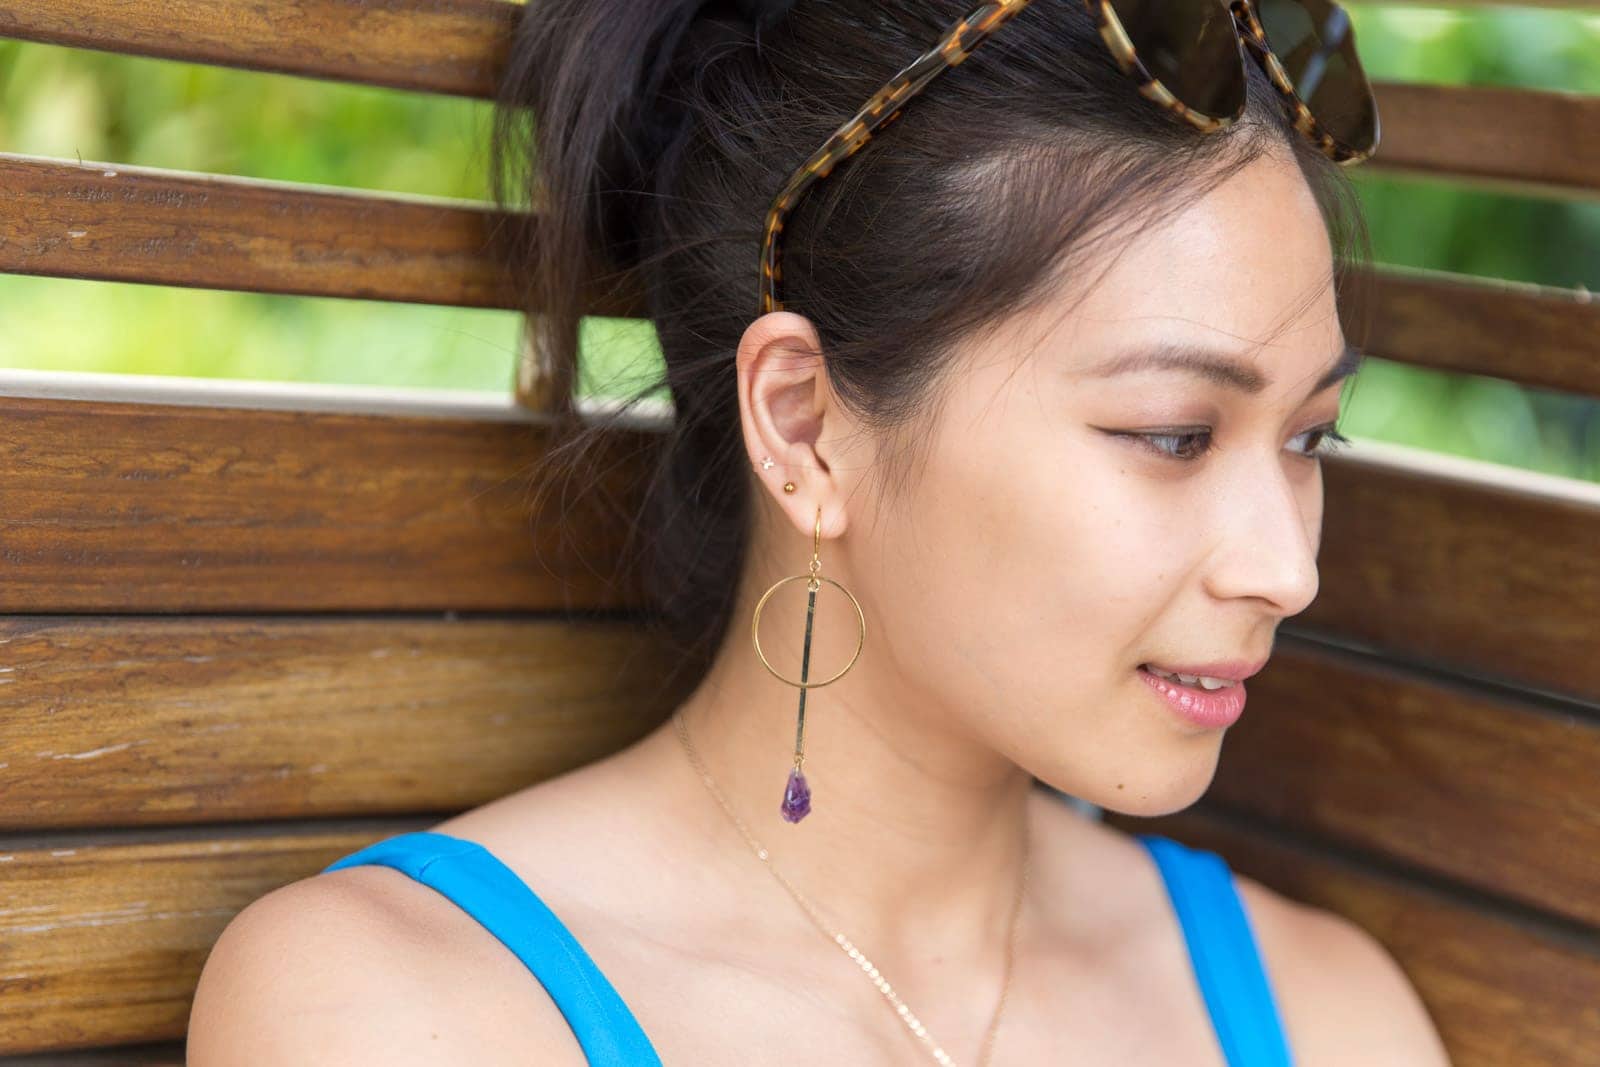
1029,563
1090,569
1037,585
1313,510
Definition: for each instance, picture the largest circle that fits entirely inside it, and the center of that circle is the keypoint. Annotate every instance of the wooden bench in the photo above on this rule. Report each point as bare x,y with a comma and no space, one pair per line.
247,629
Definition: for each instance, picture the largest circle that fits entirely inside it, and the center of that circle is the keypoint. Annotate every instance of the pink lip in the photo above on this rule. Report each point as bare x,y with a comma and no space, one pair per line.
1211,708
1234,670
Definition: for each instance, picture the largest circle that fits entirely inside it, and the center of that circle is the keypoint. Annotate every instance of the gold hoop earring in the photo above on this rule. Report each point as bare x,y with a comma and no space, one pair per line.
797,793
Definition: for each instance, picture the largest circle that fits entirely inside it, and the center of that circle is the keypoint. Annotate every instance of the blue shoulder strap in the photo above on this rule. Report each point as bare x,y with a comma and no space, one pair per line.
485,888
1222,947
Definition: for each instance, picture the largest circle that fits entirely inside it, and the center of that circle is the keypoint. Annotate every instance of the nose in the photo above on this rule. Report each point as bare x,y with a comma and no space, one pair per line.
1270,528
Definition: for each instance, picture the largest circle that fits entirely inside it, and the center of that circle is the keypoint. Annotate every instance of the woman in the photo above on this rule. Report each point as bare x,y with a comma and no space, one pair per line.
1045,419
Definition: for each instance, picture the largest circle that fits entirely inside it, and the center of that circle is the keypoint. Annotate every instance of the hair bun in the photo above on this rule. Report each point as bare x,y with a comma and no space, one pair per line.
763,14
654,119
707,24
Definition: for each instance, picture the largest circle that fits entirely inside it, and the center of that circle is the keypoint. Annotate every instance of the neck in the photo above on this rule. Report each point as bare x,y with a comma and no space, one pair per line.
917,834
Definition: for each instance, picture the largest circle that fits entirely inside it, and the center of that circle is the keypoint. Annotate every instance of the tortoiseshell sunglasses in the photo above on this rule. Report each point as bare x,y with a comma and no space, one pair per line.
1188,57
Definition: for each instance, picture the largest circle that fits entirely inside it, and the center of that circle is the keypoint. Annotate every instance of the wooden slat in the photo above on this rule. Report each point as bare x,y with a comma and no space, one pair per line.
113,222
124,722
1502,987
1531,334
1495,982
441,46
1497,578
140,722
1515,140
138,224
1481,570
105,933
153,1054
1486,790
131,508
255,394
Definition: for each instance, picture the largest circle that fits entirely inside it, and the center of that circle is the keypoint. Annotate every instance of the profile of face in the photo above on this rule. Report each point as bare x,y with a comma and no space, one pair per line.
1067,525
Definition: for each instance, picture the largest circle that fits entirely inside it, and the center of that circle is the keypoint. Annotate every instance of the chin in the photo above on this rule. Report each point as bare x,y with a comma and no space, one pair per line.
1151,805
1151,788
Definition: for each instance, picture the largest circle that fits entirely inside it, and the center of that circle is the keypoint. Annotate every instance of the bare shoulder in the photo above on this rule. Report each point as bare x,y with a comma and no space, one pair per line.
1344,999
355,967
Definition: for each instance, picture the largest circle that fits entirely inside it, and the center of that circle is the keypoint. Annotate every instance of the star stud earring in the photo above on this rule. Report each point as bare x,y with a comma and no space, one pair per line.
766,463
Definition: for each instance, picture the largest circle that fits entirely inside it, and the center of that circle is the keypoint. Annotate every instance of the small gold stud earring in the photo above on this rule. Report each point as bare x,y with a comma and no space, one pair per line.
788,487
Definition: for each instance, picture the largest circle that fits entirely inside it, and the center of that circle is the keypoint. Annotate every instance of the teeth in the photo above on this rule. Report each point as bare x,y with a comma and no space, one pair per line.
1202,680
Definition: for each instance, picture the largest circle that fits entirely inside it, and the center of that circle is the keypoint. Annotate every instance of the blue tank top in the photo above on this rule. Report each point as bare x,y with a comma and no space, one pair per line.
1222,946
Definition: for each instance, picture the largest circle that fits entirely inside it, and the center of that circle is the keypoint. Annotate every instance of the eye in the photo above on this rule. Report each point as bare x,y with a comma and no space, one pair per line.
1187,445
1329,440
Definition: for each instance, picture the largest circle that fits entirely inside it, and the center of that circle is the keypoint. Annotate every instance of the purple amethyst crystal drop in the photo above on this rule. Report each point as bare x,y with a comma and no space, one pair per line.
797,797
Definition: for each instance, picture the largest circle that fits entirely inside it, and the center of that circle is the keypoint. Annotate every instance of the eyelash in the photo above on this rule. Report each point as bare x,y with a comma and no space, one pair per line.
1330,442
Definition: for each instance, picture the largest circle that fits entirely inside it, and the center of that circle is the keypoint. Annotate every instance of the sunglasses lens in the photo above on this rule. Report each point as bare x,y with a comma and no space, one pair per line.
1316,44
1191,48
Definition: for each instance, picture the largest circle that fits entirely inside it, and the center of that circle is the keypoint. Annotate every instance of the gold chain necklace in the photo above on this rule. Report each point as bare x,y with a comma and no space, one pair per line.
911,1021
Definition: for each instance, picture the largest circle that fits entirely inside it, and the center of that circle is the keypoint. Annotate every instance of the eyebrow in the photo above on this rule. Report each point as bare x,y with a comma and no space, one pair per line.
1215,365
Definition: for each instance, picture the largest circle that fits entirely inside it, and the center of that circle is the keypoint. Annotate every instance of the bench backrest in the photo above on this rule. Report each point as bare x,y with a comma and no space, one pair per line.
247,629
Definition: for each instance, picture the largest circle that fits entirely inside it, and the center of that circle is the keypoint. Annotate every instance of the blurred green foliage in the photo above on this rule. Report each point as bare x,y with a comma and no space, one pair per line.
94,106
1422,223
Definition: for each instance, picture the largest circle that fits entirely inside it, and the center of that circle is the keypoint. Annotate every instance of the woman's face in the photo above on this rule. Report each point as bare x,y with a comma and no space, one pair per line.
1073,522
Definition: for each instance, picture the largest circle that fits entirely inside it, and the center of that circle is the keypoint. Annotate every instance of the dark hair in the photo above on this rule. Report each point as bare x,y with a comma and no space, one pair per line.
653,136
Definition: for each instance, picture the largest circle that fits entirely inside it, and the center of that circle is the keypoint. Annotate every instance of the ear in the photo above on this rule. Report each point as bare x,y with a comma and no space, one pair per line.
785,402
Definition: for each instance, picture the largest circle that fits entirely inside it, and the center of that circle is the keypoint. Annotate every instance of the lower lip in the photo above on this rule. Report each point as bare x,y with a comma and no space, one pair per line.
1211,708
